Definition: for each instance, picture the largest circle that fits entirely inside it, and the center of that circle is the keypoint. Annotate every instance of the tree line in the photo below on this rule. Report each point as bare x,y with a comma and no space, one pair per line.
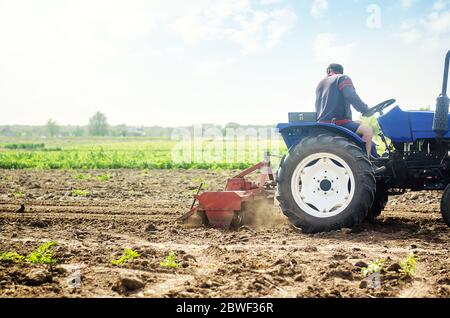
98,126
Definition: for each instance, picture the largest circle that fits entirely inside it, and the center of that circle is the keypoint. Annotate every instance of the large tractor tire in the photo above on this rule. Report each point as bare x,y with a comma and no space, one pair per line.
325,183
445,205
379,203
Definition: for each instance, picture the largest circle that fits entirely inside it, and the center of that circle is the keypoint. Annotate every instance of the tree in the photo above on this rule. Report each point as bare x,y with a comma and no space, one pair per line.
119,130
78,131
98,125
52,128
425,108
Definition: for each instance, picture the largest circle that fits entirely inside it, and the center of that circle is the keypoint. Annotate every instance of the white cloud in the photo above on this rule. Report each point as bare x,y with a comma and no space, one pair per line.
250,32
262,29
208,21
237,21
438,22
406,4
431,29
327,51
439,5
318,7
82,56
281,21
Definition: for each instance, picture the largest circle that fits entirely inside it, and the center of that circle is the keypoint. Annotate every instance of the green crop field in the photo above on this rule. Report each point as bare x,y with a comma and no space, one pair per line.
123,152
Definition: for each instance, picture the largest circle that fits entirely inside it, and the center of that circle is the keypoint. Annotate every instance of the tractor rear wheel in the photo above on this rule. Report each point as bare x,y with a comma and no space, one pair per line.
445,205
379,203
326,183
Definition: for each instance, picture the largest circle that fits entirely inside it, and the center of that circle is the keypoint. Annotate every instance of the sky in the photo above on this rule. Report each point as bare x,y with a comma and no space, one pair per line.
183,62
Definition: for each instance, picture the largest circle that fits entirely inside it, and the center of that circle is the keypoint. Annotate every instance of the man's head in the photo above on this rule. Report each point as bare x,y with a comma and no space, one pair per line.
335,69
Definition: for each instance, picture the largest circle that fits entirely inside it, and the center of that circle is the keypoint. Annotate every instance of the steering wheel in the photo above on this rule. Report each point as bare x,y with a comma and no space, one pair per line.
379,108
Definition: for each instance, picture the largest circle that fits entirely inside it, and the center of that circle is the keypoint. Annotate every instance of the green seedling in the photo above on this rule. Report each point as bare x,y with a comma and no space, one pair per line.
18,194
128,255
43,254
81,176
408,265
80,193
373,267
103,177
11,257
170,261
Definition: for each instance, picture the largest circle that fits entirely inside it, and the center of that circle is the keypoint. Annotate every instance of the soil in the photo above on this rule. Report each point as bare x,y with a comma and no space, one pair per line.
268,259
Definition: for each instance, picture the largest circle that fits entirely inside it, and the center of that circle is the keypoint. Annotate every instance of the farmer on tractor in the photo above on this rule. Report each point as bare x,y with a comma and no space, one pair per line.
335,94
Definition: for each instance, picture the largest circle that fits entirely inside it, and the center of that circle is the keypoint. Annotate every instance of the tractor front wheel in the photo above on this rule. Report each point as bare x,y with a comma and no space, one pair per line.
445,205
326,183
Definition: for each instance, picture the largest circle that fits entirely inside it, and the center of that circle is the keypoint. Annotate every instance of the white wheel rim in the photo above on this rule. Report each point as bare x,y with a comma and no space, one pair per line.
323,185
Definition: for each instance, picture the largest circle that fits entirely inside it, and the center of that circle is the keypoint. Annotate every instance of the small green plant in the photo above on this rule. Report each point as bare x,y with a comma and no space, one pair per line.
128,255
11,257
408,265
43,254
170,261
81,176
8,178
18,194
373,267
79,193
103,177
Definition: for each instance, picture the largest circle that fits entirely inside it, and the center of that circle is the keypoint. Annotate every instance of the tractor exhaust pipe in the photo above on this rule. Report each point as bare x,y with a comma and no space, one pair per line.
440,122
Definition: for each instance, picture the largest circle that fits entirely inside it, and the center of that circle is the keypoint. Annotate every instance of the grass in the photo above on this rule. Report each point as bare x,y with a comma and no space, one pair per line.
103,177
116,153
18,195
128,255
82,176
170,261
79,193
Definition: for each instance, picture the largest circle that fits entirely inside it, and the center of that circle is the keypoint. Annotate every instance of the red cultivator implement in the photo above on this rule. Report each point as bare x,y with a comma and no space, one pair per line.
224,209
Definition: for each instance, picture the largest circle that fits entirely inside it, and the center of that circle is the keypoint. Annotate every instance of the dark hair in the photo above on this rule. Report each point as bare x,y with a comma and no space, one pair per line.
336,68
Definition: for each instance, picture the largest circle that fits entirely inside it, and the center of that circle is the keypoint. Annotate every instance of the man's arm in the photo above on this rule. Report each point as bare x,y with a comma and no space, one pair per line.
349,92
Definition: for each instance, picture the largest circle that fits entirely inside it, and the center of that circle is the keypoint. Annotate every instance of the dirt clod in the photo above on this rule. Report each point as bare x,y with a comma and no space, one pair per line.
361,264
151,228
38,277
395,267
129,282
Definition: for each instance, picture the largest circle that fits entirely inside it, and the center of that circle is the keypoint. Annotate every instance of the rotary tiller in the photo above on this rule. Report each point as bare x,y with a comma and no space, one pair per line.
225,209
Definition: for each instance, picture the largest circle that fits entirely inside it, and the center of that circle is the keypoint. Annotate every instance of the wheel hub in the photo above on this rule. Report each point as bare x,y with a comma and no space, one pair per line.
325,185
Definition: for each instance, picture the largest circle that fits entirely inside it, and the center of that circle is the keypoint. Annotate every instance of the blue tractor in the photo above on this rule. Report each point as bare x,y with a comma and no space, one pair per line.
327,182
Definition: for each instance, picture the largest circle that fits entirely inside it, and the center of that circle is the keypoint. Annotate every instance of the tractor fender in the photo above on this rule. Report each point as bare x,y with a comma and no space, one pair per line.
294,133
